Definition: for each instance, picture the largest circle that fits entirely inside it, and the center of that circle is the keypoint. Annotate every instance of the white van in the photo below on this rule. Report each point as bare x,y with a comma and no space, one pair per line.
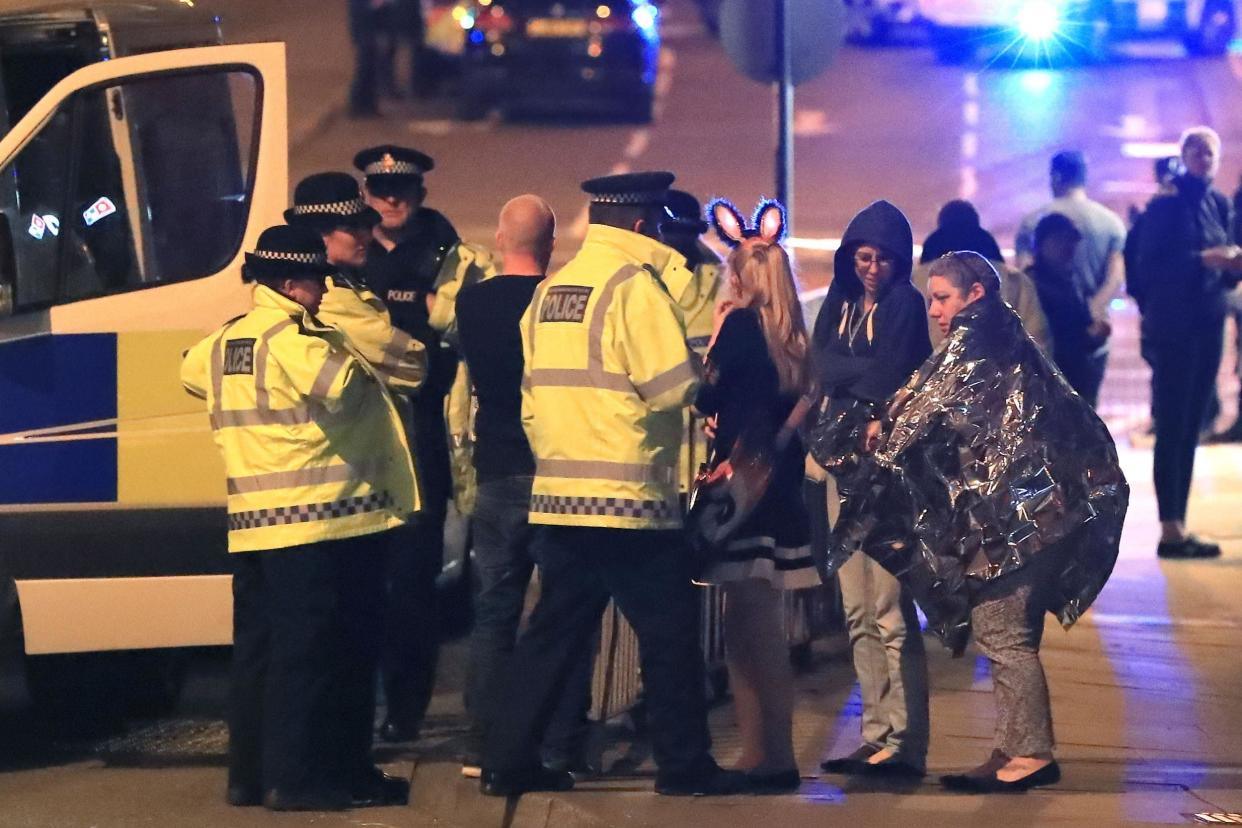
1055,31
139,159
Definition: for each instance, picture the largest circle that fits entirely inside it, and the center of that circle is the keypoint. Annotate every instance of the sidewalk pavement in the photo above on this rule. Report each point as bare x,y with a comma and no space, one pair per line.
1146,699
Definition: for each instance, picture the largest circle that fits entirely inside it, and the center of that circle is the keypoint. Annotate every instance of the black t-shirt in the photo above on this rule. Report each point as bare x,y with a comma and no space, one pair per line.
488,316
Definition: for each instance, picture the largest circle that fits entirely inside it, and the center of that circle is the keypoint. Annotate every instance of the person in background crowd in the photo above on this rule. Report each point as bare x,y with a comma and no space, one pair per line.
958,228
306,592
1233,303
378,29
1099,264
1186,244
1164,171
607,373
757,373
505,543
1078,340
409,248
952,451
697,301
870,335
330,204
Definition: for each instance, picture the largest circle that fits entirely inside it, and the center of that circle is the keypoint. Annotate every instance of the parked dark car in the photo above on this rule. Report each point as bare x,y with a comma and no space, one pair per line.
555,56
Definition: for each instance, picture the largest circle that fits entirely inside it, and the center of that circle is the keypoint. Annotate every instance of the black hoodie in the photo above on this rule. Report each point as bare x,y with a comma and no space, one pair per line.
888,348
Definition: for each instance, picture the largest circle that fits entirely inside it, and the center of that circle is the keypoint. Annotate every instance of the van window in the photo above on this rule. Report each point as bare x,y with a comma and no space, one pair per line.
135,184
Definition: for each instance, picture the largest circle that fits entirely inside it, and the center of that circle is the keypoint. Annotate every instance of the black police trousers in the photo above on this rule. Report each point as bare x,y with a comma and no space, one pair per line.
648,574
411,645
306,625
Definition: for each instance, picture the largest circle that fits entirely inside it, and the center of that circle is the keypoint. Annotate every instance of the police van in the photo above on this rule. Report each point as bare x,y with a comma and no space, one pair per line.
140,157
1073,30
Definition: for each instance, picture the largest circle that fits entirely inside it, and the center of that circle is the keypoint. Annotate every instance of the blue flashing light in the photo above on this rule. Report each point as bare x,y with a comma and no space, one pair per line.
1039,20
476,36
645,17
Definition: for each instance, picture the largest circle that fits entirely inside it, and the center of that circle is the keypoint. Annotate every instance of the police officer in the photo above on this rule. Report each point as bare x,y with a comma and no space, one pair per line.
606,375
410,246
318,472
330,204
682,230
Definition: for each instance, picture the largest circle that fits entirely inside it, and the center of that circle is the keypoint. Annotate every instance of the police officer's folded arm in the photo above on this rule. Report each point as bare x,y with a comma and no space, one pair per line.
196,369
396,356
658,362
315,369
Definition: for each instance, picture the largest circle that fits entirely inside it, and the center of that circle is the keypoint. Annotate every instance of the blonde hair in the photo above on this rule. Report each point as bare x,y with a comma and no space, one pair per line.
761,278
1201,134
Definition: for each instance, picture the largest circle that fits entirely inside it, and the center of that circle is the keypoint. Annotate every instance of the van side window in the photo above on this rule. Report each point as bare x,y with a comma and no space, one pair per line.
135,184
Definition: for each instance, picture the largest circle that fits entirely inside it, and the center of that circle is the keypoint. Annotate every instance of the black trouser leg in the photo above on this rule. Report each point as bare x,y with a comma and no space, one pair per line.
362,92
360,570
560,635
648,574
299,705
1183,381
411,629
248,674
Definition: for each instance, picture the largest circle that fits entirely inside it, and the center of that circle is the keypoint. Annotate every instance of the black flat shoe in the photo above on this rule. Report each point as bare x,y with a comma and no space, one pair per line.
850,764
516,783
773,784
1049,774
892,768
1188,549
717,782
330,800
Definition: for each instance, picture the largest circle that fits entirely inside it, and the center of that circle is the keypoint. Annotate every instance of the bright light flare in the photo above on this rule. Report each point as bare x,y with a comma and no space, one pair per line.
1039,20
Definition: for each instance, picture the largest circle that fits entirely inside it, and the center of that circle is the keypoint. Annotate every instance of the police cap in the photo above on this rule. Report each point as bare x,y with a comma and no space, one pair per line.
287,252
641,189
686,213
325,201
392,168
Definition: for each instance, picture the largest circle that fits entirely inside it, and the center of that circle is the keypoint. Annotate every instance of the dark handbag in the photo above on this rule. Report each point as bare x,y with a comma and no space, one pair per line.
720,503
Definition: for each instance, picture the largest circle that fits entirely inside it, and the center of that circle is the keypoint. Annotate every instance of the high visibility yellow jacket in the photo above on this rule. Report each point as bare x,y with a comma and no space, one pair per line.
464,265
400,359
607,374
312,442
698,305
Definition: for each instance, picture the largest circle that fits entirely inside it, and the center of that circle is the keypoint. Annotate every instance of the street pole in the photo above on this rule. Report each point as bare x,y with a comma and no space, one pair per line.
785,112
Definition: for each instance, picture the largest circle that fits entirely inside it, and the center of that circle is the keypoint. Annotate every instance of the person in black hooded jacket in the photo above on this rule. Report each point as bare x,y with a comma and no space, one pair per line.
870,337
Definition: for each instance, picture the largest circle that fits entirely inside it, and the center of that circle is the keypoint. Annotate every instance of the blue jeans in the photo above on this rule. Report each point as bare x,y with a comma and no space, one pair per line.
505,554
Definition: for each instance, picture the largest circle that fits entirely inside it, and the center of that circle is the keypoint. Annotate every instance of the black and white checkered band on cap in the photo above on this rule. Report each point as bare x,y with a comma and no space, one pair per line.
289,256
351,207
631,198
391,166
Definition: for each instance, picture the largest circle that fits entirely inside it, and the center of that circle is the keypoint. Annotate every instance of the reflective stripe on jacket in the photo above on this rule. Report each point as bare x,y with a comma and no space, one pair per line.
312,441
398,358
464,265
607,374
698,307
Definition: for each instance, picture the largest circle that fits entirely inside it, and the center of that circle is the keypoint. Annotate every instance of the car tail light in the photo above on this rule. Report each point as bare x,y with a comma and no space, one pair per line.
488,19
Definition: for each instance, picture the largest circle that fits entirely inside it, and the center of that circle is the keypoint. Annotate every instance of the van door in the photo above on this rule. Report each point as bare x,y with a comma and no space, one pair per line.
128,194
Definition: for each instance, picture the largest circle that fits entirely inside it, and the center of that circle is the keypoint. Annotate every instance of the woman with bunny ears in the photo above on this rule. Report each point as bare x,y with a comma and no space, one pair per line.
757,371
870,336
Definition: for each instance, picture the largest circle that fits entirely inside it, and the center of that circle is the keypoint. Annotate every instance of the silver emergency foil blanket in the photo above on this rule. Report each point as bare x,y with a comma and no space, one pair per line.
990,460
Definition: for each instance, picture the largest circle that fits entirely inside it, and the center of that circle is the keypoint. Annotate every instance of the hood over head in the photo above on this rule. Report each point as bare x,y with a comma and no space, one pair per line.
883,225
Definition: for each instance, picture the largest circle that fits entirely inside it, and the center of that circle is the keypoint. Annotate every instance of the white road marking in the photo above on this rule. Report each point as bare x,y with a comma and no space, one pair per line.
968,179
1150,149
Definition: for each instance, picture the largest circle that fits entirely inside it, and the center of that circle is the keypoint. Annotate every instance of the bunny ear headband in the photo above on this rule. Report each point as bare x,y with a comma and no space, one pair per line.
768,222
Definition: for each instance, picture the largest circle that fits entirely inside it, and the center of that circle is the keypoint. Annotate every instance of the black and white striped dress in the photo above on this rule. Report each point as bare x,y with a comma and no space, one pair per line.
743,392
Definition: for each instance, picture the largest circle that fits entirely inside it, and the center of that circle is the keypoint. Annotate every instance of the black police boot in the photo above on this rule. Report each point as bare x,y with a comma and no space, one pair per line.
518,782
712,781
377,789
309,800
